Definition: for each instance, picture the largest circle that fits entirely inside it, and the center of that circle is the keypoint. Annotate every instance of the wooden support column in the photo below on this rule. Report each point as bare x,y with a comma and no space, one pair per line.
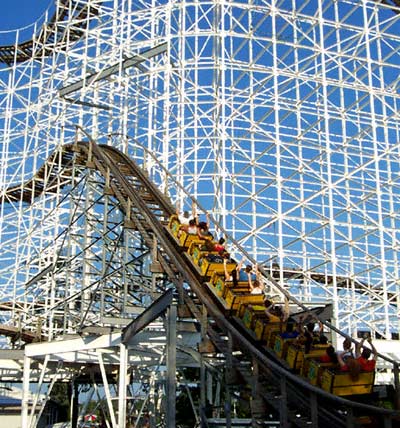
314,409
209,386
396,385
349,418
25,392
255,396
75,404
283,411
123,368
171,367
228,377
106,389
152,401
203,330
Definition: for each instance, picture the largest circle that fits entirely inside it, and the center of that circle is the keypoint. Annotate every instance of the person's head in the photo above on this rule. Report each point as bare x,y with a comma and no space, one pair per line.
330,351
192,222
310,326
267,303
221,241
186,214
203,225
248,268
256,283
347,344
366,353
278,311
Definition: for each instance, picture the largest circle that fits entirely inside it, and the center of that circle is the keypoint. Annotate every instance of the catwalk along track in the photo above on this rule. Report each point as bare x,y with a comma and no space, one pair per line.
275,388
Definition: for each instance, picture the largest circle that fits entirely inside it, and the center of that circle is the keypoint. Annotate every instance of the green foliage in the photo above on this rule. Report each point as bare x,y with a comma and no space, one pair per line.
184,411
61,394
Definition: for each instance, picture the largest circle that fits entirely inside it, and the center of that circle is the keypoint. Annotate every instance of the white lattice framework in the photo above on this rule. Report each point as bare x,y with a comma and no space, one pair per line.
281,117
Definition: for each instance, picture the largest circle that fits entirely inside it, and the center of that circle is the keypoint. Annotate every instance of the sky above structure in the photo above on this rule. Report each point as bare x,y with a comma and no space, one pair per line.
19,13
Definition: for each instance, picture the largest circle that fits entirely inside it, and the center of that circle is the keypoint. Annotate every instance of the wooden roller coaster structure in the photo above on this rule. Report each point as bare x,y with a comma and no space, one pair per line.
294,400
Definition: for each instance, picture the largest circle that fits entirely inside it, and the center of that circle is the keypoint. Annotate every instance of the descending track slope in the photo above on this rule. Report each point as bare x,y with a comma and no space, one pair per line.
147,210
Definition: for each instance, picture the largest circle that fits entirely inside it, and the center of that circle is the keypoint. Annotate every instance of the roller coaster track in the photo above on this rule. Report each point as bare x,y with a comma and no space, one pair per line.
295,401
51,34
395,3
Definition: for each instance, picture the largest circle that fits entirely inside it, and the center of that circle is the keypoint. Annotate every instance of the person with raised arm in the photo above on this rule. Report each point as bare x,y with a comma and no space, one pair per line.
203,231
188,224
256,284
363,355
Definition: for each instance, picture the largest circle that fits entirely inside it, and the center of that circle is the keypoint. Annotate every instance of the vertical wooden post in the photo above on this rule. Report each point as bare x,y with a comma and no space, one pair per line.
283,411
25,392
254,393
75,404
228,374
396,385
171,367
314,409
203,329
123,368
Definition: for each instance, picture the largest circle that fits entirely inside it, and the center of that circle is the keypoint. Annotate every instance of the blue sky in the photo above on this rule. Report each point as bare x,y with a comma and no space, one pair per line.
20,13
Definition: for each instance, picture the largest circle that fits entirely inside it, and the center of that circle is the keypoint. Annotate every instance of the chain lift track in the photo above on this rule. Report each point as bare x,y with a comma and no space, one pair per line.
147,210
